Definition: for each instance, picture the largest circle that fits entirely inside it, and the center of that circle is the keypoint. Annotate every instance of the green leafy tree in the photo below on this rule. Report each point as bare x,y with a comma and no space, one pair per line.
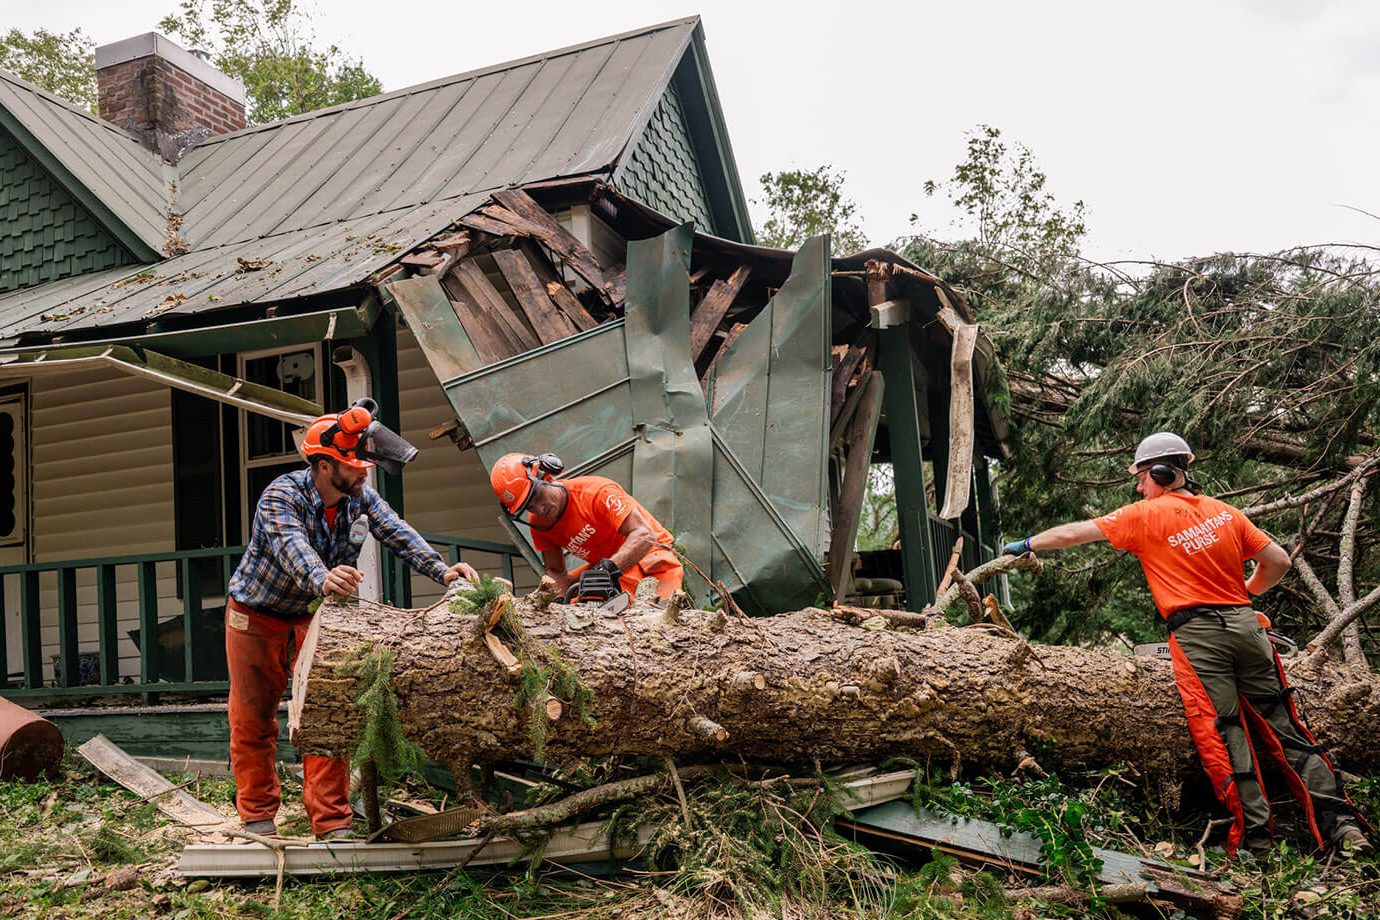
1267,363
269,45
1014,217
64,64
805,203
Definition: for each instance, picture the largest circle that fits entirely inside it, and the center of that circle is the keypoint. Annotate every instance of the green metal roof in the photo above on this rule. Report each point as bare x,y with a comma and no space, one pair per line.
331,196
114,176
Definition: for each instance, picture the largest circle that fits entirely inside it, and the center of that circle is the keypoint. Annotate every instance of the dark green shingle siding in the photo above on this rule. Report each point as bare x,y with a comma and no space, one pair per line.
45,235
663,171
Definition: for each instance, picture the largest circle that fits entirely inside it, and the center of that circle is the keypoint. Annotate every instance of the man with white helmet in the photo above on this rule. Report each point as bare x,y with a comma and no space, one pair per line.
1193,549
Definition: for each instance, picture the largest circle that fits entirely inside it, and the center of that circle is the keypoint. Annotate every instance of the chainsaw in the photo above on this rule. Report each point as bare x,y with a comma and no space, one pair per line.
598,587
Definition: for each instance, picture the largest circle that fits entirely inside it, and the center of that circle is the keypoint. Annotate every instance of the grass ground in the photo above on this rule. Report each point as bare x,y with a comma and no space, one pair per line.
82,847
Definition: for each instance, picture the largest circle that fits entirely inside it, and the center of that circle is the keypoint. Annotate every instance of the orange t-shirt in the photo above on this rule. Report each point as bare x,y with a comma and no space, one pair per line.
588,529
1193,548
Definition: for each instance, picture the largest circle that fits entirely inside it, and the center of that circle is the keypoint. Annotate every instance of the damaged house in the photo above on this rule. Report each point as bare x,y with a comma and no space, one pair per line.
548,254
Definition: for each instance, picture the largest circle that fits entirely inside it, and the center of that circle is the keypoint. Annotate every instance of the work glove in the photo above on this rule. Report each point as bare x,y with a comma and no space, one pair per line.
1017,547
608,565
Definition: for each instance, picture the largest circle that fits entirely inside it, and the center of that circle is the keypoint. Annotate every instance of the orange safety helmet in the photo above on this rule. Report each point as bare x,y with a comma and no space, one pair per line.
514,476
338,436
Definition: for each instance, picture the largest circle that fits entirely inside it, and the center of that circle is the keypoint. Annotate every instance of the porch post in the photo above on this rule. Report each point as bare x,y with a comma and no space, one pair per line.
380,350
907,464
358,384
900,402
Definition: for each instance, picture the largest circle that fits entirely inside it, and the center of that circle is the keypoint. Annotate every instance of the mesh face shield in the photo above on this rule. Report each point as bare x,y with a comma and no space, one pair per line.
377,443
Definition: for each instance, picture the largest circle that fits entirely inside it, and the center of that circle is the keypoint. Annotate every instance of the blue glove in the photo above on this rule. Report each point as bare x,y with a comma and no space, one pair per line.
1017,547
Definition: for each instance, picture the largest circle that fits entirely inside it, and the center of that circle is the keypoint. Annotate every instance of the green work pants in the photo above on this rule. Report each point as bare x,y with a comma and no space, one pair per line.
1232,657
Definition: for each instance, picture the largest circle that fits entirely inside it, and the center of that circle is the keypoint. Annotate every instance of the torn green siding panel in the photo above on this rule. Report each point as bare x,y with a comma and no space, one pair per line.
770,395
673,459
45,234
664,172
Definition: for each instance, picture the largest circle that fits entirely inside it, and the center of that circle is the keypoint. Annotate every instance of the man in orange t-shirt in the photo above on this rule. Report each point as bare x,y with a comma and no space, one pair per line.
589,517
1193,550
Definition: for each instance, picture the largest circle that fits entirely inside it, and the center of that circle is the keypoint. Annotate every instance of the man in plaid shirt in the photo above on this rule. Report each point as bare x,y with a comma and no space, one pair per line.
300,550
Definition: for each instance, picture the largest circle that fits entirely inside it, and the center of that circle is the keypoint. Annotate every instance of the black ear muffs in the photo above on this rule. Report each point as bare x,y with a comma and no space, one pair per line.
1163,474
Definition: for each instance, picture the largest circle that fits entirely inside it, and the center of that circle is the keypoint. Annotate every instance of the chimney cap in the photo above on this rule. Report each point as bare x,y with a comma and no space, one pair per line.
152,43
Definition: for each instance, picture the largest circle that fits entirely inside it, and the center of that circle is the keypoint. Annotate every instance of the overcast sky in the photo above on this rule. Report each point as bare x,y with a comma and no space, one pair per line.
1185,127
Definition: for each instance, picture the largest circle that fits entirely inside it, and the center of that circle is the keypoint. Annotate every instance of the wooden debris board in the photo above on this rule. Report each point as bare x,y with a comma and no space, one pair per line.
551,324
110,759
490,340
710,311
542,226
560,295
486,297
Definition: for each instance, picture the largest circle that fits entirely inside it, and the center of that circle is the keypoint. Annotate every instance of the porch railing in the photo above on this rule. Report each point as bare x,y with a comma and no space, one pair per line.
181,646
64,578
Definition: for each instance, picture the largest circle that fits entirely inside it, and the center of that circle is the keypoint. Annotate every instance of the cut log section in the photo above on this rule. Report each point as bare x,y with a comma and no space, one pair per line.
974,696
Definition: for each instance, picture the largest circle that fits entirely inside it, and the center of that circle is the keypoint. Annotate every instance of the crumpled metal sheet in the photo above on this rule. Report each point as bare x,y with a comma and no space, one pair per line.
673,459
769,395
622,400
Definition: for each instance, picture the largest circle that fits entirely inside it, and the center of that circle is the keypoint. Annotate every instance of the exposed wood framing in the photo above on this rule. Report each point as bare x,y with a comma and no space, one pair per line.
710,311
857,444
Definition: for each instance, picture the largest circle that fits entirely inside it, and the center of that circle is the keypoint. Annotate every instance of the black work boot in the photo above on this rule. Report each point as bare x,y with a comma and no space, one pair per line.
1351,842
1258,842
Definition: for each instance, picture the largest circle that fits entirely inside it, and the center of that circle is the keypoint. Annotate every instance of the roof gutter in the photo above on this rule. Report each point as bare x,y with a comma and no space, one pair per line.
170,372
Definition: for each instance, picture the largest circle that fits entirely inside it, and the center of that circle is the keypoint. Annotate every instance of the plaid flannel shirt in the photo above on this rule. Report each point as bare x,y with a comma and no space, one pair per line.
291,548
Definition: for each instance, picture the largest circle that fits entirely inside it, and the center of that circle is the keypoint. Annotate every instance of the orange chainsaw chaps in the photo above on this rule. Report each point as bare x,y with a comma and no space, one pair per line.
1212,750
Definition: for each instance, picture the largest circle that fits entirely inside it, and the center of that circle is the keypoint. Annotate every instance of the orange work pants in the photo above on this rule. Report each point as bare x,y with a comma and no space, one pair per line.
261,651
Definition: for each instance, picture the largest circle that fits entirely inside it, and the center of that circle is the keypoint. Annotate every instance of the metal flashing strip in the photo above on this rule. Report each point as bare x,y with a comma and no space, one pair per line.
581,843
170,372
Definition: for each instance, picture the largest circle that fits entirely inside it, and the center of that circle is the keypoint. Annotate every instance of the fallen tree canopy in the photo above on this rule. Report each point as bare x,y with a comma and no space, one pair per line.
800,687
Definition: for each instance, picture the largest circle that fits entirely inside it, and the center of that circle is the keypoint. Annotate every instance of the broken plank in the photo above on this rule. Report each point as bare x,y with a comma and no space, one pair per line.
858,442
560,295
843,375
546,228
710,311
110,759
491,342
432,319
616,280
485,296
550,323
423,262
486,224
731,337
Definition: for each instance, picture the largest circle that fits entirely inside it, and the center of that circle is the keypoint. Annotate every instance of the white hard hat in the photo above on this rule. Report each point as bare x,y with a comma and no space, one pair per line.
1157,446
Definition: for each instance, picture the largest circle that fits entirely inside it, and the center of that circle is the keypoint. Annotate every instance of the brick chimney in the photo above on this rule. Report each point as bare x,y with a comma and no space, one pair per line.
165,95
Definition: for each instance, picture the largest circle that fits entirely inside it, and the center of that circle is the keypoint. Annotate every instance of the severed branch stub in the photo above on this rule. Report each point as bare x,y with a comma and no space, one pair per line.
707,728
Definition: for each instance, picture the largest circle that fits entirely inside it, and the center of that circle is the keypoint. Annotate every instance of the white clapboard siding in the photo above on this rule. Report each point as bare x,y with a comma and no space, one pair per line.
445,490
102,486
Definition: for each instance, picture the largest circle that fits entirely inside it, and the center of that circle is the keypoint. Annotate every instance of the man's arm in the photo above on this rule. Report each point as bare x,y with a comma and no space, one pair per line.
1271,563
1065,535
638,541
553,561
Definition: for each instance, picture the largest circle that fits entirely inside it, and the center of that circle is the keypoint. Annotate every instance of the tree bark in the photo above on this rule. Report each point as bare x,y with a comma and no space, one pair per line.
821,690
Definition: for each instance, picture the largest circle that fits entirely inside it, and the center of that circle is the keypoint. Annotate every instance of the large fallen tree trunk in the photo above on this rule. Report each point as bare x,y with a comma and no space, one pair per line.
797,687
